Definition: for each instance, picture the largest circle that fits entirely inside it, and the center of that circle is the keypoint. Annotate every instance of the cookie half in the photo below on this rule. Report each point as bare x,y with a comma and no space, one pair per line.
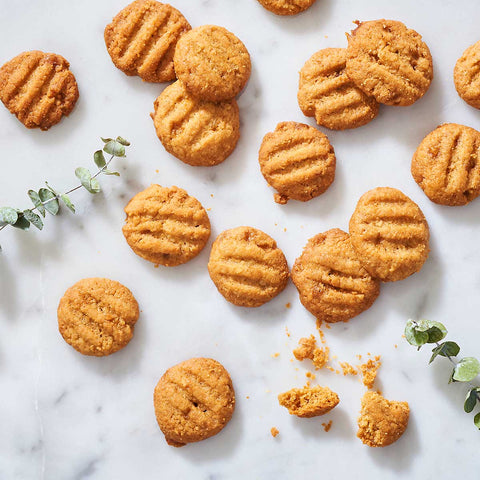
286,7
466,75
308,402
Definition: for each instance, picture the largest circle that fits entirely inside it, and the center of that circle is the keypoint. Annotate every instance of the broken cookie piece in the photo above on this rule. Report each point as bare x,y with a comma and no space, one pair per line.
309,402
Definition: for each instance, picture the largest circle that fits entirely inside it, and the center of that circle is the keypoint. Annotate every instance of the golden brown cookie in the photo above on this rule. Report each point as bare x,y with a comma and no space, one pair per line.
309,402
381,422
466,75
389,62
247,267
326,92
286,7
166,226
97,316
331,281
198,132
389,234
298,161
212,63
193,401
142,37
446,164
38,88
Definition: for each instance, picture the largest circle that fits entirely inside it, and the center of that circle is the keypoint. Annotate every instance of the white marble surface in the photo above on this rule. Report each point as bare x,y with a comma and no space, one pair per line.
65,416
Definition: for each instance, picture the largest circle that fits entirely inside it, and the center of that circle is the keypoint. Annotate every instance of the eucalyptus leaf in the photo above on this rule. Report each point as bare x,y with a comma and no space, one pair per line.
35,198
49,201
22,223
124,142
108,172
436,331
66,200
414,336
466,369
52,190
446,349
89,183
476,420
114,148
99,159
33,218
8,216
471,400
106,140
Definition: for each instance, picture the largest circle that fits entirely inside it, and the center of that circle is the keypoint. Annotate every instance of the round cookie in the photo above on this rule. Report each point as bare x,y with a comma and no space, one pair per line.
389,234
446,164
198,132
142,37
212,63
326,92
193,401
166,226
331,281
286,7
247,267
389,62
298,161
38,88
97,316
465,75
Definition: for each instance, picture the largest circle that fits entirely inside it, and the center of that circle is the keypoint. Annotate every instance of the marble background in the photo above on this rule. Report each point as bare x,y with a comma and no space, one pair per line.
65,416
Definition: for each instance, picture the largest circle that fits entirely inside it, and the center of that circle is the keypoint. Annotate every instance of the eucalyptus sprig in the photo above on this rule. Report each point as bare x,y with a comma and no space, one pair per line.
421,332
49,199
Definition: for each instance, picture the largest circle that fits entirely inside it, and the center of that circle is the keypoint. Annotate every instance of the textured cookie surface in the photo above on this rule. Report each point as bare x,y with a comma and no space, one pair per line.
466,75
381,422
142,37
193,401
198,132
446,164
326,92
309,402
212,63
298,161
389,62
389,234
286,7
331,281
166,226
96,316
247,267
38,88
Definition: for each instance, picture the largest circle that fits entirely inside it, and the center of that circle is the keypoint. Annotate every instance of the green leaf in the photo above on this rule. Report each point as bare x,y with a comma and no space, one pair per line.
34,197
33,218
99,159
22,223
52,190
106,140
66,200
476,420
471,399
415,337
466,370
114,148
435,330
52,205
89,183
124,142
8,216
446,349
108,172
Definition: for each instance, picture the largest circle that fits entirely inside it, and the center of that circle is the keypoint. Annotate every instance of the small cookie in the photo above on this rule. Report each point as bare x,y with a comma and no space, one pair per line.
198,132
286,7
298,161
331,281
465,75
389,62
97,316
166,226
193,401
247,267
142,37
446,164
381,422
309,402
389,234
212,63
326,92
38,88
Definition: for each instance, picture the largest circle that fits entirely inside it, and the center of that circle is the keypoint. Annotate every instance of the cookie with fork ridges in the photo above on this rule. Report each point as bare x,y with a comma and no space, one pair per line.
141,39
38,88
326,92
298,161
198,132
193,401
389,234
466,75
446,165
389,62
166,226
286,7
247,267
332,283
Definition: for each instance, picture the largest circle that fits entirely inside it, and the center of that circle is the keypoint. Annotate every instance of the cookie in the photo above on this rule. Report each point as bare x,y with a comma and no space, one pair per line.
212,63
286,7
97,316
298,161
389,234
166,226
446,164
247,267
141,39
193,401
465,75
309,402
38,88
198,132
381,422
389,62
332,283
326,92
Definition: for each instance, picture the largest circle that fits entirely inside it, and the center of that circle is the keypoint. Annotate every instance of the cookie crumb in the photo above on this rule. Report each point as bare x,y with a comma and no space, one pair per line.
396,346
288,305
348,369
274,431
156,265
310,375
275,355
156,171
247,397
285,229
327,426
211,195
369,371
209,208
286,330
